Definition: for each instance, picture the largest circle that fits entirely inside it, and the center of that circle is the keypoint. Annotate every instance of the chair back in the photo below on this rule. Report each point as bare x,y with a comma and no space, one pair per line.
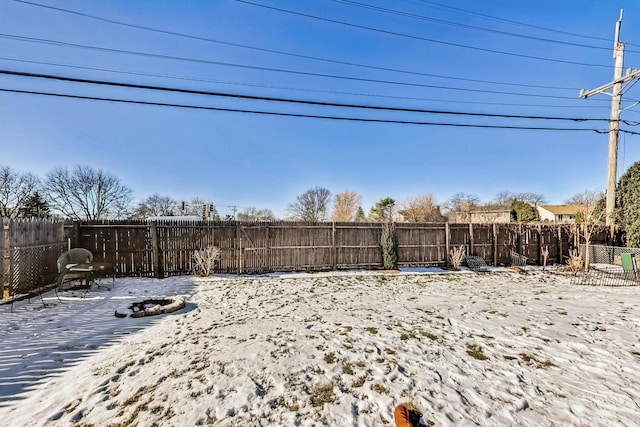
74,256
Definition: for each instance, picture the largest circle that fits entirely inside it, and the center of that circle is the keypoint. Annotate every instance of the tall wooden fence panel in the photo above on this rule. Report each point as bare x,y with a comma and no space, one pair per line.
29,249
127,245
421,244
166,248
357,245
296,244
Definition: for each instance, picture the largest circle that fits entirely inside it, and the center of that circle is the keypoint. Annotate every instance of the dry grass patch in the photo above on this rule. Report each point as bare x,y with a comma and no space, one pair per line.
358,382
475,351
347,368
322,394
330,357
379,388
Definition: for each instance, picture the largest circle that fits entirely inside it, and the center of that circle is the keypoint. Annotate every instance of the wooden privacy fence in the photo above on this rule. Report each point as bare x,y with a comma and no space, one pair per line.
165,248
29,249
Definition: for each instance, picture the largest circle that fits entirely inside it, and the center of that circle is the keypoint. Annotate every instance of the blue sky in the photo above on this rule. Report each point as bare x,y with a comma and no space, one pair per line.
265,161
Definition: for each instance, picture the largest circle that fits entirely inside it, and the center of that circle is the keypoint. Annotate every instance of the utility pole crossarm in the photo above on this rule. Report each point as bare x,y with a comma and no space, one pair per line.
632,74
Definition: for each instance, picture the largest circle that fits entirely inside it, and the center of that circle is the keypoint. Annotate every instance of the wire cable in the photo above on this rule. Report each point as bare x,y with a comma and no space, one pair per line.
290,88
509,21
278,70
291,54
426,39
286,100
312,116
461,25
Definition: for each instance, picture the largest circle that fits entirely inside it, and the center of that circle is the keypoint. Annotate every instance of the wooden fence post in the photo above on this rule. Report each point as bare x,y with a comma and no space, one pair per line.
495,244
519,240
75,235
155,250
559,244
239,246
447,242
470,239
268,250
539,244
6,256
334,261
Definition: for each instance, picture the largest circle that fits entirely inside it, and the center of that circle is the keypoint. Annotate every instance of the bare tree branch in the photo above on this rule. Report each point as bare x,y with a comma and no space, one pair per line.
156,205
15,189
87,193
312,205
345,206
422,208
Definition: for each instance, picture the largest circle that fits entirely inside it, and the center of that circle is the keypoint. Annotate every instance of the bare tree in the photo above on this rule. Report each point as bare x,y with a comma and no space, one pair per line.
156,205
460,199
345,206
312,205
15,190
507,198
422,208
87,193
254,214
462,204
589,218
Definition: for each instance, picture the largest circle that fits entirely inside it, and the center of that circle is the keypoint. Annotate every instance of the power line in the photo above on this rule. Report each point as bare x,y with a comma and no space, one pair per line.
312,116
289,88
426,39
291,54
461,25
280,70
523,24
271,69
284,100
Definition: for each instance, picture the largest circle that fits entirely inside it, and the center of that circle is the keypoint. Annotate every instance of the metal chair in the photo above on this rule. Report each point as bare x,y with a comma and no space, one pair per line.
69,259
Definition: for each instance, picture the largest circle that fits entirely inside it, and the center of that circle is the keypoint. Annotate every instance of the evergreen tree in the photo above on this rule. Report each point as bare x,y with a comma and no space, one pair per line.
523,211
382,210
389,246
628,204
360,216
34,206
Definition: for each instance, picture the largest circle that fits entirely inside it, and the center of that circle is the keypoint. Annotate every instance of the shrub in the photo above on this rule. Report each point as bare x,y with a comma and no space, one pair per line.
204,260
389,246
456,255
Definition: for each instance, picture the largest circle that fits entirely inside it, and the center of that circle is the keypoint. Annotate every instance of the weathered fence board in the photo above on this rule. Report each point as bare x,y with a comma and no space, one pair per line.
166,248
29,249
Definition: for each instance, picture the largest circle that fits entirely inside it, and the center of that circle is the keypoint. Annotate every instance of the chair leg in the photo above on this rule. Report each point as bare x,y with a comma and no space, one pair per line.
57,295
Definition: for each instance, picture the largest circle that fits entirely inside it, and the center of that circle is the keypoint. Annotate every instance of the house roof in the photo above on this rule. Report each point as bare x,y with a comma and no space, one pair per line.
485,208
563,209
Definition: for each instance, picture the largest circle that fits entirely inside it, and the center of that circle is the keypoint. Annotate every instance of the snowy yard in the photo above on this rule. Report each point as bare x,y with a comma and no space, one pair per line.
336,349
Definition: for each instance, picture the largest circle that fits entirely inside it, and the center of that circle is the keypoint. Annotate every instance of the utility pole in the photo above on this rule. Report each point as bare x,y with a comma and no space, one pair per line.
614,118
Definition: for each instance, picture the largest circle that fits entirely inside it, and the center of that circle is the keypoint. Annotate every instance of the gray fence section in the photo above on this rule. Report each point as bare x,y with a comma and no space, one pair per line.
606,275
600,254
604,267
29,268
29,249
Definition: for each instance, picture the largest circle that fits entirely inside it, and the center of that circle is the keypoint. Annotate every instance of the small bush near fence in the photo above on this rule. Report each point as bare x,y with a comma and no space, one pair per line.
204,260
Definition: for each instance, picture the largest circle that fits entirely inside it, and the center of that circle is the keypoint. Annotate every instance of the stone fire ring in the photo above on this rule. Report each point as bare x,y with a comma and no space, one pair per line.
151,307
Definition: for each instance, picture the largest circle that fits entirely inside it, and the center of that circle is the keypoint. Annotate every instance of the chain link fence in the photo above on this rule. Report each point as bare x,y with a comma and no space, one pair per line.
605,267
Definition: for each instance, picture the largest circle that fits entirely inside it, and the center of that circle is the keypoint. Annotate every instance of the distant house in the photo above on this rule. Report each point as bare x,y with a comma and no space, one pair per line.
481,214
558,213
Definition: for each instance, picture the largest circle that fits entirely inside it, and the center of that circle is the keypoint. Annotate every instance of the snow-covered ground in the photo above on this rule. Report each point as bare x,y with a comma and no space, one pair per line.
336,349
